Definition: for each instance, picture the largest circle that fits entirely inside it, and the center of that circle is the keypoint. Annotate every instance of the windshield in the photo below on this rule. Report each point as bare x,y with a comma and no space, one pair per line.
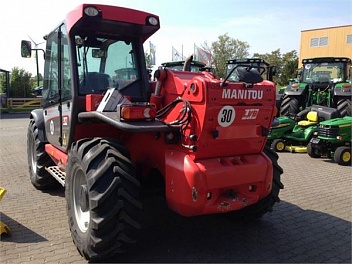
195,67
104,63
323,72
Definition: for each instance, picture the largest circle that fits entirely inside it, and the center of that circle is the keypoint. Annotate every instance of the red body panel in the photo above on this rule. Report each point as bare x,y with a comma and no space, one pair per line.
57,155
113,13
215,185
93,101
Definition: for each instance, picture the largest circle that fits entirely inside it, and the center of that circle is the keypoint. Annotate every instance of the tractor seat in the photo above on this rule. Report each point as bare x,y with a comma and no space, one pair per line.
312,117
95,83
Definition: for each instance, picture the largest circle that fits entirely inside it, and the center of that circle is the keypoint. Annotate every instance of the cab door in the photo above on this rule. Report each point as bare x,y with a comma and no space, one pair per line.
57,95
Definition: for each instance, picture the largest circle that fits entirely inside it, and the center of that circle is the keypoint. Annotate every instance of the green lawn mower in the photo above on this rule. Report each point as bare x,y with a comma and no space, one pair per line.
333,141
294,132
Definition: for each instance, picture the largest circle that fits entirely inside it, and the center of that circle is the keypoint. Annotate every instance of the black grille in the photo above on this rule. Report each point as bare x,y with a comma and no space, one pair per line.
328,131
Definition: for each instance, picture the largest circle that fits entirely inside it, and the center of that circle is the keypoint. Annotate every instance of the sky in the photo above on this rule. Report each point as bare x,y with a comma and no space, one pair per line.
266,25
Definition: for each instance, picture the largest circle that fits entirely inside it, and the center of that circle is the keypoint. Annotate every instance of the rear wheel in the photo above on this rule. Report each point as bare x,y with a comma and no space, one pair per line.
278,145
102,195
342,156
290,105
266,204
38,159
344,106
313,152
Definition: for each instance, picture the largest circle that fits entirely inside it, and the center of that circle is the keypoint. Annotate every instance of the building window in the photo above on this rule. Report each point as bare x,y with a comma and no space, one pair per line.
349,39
319,42
314,42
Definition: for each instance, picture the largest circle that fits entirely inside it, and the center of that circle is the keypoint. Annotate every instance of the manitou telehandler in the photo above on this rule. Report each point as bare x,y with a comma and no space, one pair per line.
103,136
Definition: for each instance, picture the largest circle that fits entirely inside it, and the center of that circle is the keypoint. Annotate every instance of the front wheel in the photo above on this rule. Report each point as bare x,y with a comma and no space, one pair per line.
342,156
102,195
312,151
38,160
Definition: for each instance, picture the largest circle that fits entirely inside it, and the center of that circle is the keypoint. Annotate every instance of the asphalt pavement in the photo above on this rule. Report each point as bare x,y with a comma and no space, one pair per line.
311,224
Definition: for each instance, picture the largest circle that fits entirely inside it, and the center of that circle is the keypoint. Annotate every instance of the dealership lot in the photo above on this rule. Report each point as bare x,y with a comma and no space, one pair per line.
312,223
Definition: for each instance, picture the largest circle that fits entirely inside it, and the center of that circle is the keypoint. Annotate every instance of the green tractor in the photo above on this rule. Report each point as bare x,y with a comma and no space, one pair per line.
324,81
293,133
333,141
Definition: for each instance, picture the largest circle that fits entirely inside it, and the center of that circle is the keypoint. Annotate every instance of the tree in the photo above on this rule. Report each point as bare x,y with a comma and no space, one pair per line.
289,69
2,82
286,65
227,48
20,83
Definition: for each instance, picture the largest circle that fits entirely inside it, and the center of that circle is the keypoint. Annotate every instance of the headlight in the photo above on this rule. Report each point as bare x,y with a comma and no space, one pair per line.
91,11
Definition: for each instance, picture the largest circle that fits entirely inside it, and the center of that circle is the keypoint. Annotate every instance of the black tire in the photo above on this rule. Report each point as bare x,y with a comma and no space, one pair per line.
342,156
290,105
278,145
38,159
312,151
102,196
344,106
266,204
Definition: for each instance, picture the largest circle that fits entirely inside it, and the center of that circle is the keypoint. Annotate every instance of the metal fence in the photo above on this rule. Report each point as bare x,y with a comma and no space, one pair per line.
23,103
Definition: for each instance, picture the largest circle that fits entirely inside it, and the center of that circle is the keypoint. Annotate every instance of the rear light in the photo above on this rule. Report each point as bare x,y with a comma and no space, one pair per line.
339,138
294,86
138,112
346,87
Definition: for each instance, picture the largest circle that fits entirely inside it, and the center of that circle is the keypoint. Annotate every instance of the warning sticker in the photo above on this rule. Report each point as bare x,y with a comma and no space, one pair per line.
226,116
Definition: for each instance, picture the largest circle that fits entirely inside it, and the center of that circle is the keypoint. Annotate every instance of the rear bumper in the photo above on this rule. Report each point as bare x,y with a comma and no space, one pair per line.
216,185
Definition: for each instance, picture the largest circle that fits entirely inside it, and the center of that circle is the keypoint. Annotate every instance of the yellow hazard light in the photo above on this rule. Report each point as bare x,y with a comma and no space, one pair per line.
138,112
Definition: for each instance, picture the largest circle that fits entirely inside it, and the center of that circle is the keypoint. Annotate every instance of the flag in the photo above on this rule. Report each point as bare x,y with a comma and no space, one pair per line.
202,55
177,56
152,51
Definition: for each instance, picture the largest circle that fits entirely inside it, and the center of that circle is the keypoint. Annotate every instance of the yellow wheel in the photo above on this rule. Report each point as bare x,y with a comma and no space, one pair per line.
342,156
278,145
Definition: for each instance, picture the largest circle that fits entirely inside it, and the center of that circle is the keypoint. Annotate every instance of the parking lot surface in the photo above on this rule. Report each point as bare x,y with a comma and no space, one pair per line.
311,224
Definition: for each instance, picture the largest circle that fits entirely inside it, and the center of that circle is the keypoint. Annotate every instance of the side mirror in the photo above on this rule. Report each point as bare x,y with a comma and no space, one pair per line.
26,49
98,53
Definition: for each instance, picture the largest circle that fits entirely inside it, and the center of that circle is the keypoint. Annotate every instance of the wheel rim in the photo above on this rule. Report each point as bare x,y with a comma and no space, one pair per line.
32,157
280,146
346,156
80,201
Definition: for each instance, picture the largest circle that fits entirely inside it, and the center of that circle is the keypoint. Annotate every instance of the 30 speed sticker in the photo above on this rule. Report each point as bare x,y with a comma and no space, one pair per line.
226,116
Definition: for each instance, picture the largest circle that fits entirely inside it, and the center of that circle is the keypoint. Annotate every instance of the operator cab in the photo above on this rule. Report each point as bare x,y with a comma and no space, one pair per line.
324,71
95,48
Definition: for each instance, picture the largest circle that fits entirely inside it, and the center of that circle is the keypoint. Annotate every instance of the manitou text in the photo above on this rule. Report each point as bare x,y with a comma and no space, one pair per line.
241,94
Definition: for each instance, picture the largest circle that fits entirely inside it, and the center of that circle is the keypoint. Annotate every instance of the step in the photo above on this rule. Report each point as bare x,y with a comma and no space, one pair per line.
58,174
